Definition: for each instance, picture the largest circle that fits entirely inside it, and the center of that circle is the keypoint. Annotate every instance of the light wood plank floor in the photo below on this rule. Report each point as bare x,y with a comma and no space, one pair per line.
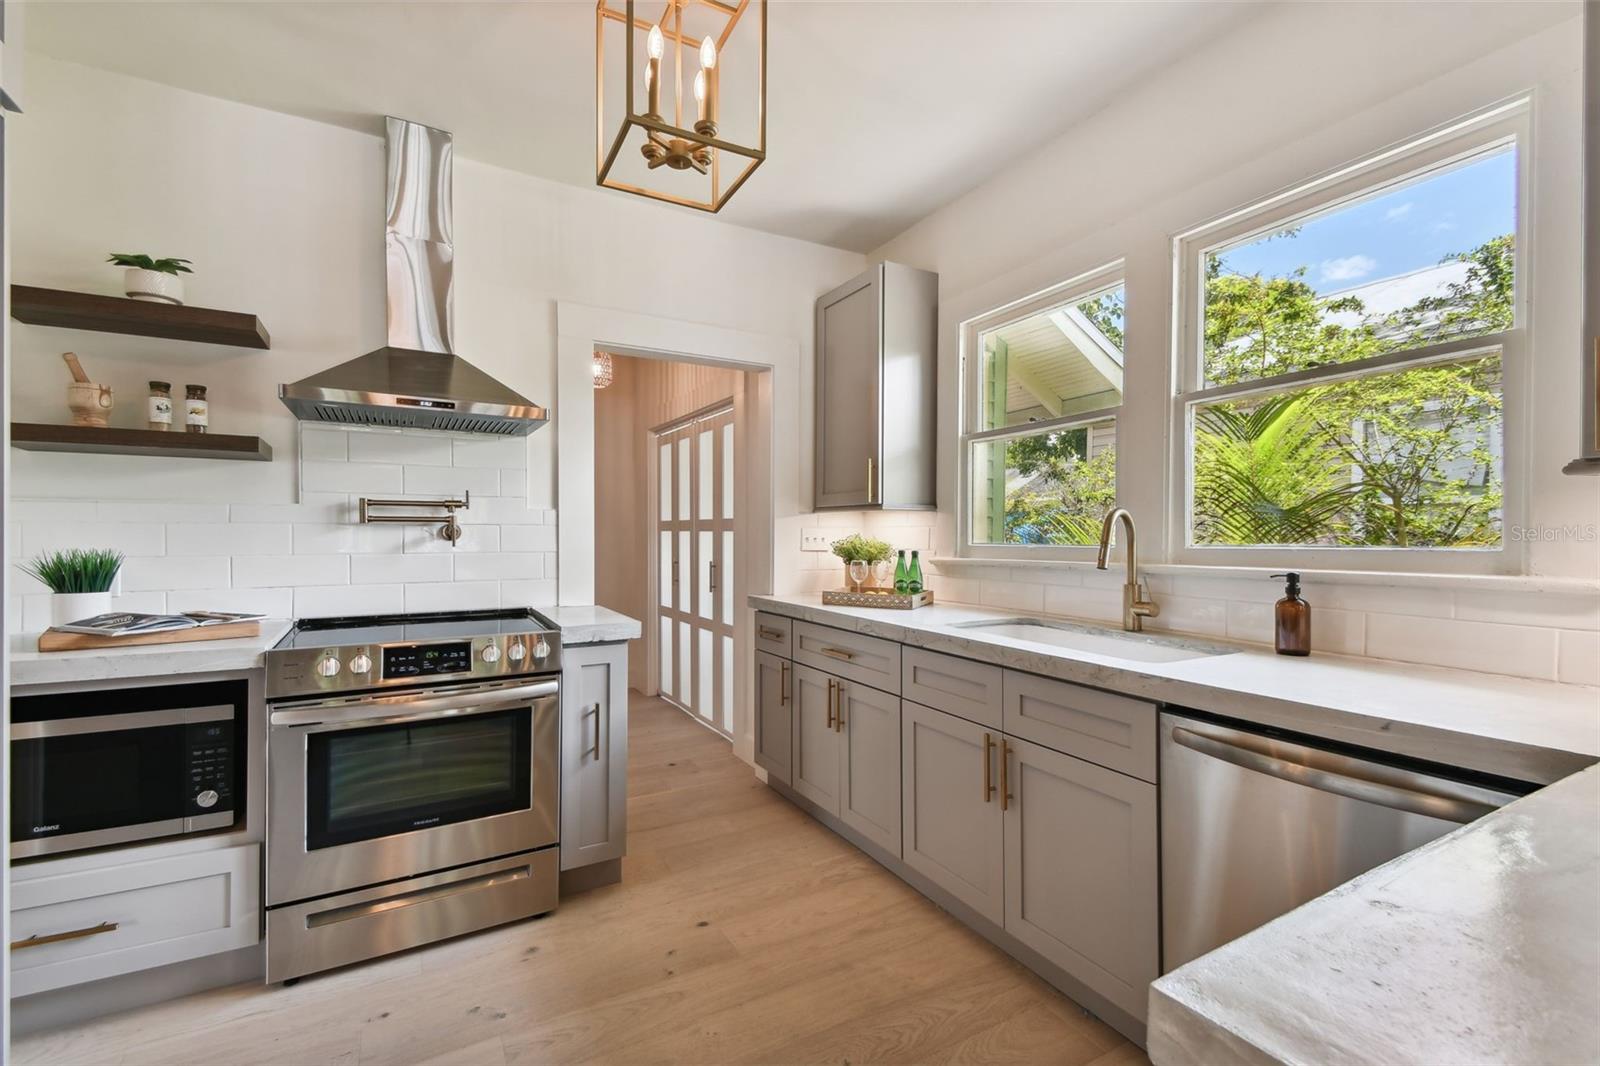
742,932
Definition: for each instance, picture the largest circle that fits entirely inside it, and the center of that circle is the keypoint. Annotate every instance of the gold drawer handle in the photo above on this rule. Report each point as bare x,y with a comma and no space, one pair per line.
831,684
1005,775
988,774
769,634
783,682
839,653
36,940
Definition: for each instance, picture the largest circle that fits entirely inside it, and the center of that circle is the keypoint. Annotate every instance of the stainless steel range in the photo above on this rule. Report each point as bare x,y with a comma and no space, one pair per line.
412,782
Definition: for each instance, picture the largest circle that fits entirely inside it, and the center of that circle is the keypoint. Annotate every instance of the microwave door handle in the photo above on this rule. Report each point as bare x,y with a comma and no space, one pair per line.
416,708
1411,801
112,723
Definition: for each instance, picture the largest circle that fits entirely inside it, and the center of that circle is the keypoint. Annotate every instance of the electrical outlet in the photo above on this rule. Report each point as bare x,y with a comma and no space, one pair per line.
815,540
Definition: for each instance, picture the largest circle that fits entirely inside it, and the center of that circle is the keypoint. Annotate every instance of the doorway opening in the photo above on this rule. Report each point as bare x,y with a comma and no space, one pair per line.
669,523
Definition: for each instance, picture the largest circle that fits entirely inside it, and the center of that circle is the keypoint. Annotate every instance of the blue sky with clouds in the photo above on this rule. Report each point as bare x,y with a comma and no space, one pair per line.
1414,226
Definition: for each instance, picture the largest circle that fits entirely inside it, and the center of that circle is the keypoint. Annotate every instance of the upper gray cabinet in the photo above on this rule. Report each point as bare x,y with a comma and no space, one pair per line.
1588,461
876,375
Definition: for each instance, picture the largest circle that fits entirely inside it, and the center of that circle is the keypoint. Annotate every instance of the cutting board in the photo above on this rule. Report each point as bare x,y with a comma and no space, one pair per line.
56,640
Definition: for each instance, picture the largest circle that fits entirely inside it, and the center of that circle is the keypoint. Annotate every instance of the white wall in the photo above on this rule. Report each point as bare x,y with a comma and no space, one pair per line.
283,218
1306,88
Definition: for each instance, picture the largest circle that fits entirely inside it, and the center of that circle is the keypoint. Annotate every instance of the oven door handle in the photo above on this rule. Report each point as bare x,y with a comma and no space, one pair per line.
113,723
413,708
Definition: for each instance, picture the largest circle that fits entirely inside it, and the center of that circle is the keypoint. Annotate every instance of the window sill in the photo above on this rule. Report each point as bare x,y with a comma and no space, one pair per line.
1553,586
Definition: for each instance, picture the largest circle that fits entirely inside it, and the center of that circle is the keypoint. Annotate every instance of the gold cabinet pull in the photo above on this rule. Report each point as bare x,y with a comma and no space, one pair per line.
839,653
872,480
838,706
595,751
988,775
831,683
783,682
767,633
1005,775
38,940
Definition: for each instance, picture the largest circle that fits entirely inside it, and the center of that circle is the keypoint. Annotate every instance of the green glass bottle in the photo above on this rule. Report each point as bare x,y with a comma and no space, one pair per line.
902,574
914,575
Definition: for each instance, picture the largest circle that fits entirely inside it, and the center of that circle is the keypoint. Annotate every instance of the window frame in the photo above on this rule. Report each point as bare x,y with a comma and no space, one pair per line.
1507,124
1072,291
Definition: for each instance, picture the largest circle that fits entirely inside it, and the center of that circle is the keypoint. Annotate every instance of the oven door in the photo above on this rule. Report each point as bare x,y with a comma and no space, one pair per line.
375,788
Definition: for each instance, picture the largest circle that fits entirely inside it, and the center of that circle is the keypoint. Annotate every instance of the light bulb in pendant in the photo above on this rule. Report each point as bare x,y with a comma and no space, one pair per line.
700,87
655,44
708,54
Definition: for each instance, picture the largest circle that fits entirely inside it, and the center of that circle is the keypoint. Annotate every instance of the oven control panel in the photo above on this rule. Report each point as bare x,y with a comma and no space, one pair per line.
210,758
422,660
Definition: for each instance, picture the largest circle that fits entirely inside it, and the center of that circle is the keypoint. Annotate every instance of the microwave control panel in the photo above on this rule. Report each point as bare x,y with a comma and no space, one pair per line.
210,750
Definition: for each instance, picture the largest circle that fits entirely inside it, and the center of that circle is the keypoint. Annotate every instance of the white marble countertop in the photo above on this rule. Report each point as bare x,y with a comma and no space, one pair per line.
1536,731
1482,947
591,625
146,660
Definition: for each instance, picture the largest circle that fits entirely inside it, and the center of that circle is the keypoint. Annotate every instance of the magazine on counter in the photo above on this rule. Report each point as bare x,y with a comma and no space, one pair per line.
124,623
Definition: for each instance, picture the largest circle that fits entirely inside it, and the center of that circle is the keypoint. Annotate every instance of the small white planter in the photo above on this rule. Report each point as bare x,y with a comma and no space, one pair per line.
76,606
152,286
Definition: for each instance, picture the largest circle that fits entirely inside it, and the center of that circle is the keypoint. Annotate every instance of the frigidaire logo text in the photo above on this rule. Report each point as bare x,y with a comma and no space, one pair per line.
46,828
426,821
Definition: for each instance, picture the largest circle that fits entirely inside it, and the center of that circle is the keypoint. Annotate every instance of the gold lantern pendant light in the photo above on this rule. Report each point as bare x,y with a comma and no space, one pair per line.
672,145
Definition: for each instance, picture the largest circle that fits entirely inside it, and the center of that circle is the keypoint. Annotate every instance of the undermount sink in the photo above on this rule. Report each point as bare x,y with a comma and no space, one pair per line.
1113,643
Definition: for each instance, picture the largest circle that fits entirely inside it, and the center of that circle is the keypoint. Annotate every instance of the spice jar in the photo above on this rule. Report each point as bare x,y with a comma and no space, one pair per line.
160,406
197,413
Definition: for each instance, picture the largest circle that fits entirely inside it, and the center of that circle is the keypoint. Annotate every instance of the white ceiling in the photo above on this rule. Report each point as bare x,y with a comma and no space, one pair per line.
879,112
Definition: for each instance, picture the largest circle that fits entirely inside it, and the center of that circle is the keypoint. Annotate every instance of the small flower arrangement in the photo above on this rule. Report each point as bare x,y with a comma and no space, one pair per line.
856,548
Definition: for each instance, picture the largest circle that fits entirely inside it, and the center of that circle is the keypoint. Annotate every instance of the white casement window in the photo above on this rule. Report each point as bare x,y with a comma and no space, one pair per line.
1042,385
1351,362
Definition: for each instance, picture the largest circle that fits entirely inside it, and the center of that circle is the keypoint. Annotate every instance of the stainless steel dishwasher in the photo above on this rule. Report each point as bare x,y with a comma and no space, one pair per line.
1253,824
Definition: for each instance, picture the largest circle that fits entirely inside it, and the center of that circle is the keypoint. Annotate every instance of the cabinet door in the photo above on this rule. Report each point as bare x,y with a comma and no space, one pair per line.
954,828
869,800
817,748
774,716
594,753
1081,870
849,380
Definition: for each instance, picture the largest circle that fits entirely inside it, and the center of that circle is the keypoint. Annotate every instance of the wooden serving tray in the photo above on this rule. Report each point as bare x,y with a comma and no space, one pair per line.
57,640
885,598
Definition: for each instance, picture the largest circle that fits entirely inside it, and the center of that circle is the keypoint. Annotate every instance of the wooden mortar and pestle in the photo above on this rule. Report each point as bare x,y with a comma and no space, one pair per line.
89,403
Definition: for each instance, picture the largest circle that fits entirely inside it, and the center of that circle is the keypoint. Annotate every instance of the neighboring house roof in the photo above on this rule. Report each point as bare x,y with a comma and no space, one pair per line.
1057,364
1388,295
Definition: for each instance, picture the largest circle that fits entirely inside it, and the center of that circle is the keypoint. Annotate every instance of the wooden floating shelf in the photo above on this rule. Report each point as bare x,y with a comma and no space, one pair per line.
175,444
118,314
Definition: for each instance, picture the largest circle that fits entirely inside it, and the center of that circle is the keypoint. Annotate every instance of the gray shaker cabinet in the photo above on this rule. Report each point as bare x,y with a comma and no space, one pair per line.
774,716
876,359
1081,870
594,753
954,827
818,754
869,797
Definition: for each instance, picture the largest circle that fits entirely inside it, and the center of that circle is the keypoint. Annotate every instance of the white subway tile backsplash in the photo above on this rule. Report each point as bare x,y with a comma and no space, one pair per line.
383,446
1525,651
365,479
426,539
1013,595
290,571
129,538
506,511
313,507
323,601
166,573
452,481
346,538
142,511
399,569
274,603
233,538
528,538
51,510
527,593
452,596
1529,608
506,452
1189,614
498,566
323,444
513,481
1578,658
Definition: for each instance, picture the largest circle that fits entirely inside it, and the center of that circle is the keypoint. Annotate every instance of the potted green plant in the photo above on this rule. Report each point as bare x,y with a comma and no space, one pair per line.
81,579
856,548
152,280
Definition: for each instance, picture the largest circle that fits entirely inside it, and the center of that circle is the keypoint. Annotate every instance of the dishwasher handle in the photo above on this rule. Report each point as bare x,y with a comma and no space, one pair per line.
1412,801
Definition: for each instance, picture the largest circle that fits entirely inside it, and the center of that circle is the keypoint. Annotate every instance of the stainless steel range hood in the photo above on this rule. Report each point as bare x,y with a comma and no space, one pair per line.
416,381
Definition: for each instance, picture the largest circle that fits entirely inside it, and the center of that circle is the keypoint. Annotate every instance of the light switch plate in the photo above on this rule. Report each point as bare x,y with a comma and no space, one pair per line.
815,540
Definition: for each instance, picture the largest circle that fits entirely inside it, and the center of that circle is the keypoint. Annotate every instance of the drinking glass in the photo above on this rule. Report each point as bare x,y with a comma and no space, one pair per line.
858,570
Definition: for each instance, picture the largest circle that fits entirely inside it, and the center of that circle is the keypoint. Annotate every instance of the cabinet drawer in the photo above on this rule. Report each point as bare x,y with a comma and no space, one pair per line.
133,916
772,634
867,660
955,686
1113,731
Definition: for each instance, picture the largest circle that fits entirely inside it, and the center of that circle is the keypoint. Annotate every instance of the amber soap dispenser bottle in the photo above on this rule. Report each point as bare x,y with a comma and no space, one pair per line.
1291,628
